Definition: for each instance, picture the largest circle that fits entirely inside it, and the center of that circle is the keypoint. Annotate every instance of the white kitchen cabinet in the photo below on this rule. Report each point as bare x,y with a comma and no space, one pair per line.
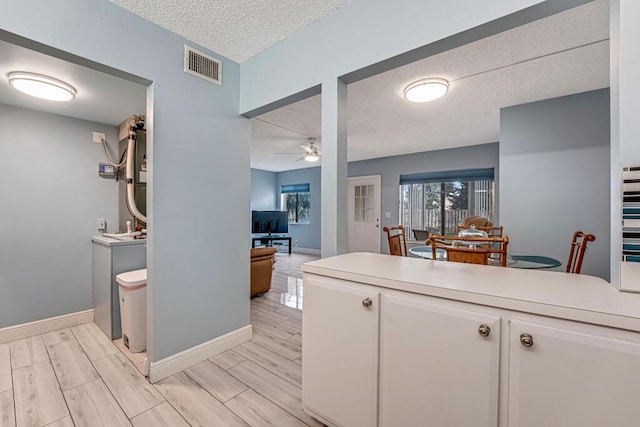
429,366
573,375
439,363
340,352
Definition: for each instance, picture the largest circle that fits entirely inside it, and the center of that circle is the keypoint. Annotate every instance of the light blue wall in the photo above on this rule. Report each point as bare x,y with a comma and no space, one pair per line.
264,193
51,199
554,176
306,235
198,287
474,157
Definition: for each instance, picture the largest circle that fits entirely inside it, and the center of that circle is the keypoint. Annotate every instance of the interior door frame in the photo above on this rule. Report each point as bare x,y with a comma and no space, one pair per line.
378,185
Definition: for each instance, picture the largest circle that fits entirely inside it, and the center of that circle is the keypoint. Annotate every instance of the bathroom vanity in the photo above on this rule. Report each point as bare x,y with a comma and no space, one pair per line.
397,341
111,257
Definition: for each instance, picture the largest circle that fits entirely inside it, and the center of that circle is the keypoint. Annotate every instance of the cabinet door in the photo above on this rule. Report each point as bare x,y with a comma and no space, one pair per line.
340,326
437,368
573,379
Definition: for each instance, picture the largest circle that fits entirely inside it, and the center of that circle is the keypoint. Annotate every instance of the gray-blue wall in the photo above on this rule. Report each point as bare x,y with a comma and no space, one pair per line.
51,199
473,157
197,145
305,235
264,193
308,236
554,176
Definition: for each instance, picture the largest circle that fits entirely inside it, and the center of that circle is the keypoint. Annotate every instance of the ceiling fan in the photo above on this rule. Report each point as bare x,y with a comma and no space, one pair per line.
310,154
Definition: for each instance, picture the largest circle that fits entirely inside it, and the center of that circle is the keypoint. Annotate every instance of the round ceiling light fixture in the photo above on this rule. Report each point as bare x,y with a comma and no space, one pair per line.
41,86
311,157
426,90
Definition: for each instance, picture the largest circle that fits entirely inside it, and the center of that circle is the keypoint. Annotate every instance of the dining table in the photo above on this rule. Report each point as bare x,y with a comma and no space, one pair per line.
526,261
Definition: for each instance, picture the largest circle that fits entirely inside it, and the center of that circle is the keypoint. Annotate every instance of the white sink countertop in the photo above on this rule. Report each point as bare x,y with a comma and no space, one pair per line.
108,241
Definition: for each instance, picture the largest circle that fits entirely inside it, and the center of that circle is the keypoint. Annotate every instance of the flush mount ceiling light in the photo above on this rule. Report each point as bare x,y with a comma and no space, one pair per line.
426,90
41,86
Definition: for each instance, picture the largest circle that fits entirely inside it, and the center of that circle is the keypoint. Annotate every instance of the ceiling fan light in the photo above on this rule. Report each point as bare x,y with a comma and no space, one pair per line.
426,90
41,86
311,157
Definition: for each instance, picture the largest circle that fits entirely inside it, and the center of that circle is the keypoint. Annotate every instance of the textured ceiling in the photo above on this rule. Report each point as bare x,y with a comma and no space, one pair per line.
101,97
235,29
560,55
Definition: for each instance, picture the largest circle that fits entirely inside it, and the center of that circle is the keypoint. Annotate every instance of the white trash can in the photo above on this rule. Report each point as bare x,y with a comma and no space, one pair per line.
132,287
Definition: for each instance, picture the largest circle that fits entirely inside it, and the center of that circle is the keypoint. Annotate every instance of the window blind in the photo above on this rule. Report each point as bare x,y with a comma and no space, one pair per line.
448,176
294,188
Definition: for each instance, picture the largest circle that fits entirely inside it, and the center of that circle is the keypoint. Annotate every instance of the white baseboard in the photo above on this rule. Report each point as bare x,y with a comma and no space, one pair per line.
191,356
38,327
306,251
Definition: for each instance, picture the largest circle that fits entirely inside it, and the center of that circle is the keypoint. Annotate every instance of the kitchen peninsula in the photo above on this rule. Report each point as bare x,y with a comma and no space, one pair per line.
397,341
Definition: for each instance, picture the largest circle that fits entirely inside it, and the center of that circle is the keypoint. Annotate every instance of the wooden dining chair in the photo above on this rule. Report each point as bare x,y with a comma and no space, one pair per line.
468,255
577,250
491,231
397,240
476,220
476,250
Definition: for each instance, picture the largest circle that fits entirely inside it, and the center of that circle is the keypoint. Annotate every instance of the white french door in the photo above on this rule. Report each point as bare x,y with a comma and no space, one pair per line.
364,214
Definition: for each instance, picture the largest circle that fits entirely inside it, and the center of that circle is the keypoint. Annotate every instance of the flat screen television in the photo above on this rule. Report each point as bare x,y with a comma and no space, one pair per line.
269,222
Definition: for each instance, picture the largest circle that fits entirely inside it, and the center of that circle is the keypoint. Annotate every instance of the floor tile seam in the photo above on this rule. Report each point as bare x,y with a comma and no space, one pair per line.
85,350
101,379
13,395
170,403
61,418
55,374
226,369
275,316
274,373
58,378
266,332
113,392
25,366
237,414
288,358
202,387
276,403
292,336
267,310
164,401
289,321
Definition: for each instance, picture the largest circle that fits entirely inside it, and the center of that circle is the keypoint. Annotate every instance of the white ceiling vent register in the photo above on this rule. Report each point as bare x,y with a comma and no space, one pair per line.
200,65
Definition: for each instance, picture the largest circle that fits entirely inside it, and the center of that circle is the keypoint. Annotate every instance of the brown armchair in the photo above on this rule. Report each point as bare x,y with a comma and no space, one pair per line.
262,264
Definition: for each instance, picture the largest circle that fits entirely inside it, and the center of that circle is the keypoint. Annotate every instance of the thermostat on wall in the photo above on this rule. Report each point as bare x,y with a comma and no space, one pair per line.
106,170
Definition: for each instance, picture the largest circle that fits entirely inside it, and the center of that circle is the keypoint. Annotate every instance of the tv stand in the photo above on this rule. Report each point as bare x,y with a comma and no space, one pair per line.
269,239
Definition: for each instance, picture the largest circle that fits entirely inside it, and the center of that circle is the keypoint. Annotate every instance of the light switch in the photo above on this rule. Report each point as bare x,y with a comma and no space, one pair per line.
102,224
387,215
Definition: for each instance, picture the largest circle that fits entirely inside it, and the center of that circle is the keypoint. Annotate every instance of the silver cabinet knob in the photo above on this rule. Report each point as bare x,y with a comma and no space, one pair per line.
484,330
367,302
526,340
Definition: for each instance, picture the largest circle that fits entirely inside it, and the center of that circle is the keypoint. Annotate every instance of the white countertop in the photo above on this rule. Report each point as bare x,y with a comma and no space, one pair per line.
562,295
108,241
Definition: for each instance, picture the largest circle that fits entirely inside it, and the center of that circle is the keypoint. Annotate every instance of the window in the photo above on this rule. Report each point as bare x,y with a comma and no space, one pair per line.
436,202
363,206
295,199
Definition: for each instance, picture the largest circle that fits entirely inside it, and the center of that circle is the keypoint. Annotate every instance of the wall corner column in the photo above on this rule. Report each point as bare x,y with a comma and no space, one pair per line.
334,168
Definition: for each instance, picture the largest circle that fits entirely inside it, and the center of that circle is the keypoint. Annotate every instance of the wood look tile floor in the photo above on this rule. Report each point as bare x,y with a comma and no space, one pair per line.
77,377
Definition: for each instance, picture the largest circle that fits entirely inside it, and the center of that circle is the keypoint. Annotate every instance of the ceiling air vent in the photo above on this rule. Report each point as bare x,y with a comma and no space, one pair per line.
200,65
